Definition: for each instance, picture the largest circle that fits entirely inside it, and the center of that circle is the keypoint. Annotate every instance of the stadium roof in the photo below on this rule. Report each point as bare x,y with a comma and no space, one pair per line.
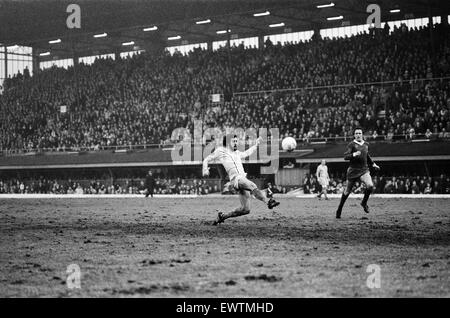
36,22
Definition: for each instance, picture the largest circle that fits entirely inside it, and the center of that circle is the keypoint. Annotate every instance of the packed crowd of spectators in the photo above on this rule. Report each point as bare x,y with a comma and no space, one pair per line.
310,185
419,113
127,186
141,100
400,185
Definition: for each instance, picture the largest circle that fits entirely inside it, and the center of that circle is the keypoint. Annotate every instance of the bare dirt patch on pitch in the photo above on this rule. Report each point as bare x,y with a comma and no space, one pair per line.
167,248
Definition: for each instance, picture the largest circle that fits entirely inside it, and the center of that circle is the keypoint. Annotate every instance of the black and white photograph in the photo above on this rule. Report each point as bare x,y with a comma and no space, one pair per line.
224,154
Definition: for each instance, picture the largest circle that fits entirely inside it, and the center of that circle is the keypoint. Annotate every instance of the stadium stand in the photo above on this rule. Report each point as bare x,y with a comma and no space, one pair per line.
316,91
140,100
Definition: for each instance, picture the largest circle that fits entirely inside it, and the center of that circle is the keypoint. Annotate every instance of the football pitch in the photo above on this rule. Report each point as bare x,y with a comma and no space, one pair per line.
166,247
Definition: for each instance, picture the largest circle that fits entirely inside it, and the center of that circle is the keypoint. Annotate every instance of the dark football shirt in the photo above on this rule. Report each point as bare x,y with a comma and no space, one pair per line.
358,165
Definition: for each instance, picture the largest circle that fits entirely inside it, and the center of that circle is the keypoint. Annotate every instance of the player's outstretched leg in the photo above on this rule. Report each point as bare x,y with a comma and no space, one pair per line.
221,217
244,197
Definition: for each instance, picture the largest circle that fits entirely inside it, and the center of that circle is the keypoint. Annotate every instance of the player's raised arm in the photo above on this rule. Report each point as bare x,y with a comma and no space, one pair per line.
251,150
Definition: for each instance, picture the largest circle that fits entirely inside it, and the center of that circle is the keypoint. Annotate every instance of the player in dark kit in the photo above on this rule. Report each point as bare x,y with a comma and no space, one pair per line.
358,155
149,184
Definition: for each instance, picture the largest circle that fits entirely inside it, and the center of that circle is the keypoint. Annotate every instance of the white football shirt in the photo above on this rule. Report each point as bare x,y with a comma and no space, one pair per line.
230,160
322,172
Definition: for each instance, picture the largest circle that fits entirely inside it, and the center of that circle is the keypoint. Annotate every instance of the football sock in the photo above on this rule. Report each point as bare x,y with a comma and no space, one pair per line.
367,193
343,199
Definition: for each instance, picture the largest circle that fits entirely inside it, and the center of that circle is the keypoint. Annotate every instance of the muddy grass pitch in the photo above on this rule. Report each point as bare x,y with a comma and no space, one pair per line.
163,247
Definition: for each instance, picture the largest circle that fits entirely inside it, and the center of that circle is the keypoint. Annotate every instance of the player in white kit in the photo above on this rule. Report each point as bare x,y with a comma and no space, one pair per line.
230,157
323,178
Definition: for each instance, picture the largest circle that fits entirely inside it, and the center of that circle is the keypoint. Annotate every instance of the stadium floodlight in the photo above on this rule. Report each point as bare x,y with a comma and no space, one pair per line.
153,28
276,25
394,11
44,54
321,6
261,14
223,31
102,35
203,21
55,41
335,18
172,38
128,43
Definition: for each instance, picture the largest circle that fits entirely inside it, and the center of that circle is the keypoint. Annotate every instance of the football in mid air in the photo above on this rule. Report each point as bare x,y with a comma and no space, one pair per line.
288,144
